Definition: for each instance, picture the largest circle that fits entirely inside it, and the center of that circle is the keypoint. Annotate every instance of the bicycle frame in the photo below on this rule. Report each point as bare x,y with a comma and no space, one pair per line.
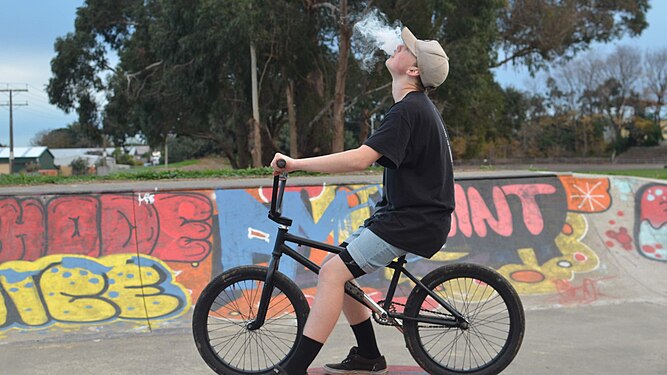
280,248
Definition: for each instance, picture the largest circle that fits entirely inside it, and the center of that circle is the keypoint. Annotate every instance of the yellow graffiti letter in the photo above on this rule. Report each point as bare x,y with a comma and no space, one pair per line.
72,294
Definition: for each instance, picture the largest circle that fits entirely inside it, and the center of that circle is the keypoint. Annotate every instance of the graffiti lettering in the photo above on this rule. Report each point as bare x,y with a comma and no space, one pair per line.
498,215
530,209
651,222
73,225
482,215
473,214
258,234
22,234
173,227
147,198
329,216
569,294
79,289
98,258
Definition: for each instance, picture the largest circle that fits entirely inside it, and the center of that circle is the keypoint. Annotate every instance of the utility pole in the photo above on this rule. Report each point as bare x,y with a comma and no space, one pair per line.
11,124
255,134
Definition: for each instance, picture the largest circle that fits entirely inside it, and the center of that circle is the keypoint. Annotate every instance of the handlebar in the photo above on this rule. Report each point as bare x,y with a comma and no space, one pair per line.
279,182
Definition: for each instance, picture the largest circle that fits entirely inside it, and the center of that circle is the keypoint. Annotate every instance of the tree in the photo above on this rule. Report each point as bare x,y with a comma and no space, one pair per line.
470,99
577,80
536,32
621,72
73,136
344,36
56,138
81,59
655,66
184,68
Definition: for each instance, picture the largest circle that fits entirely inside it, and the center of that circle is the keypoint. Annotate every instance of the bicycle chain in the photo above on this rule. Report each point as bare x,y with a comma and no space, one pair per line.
392,308
384,322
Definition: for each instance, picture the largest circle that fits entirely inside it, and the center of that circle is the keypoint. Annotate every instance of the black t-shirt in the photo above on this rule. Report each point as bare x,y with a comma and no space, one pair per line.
418,198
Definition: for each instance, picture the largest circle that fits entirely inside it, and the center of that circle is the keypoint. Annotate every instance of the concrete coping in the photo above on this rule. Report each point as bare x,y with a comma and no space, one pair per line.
238,183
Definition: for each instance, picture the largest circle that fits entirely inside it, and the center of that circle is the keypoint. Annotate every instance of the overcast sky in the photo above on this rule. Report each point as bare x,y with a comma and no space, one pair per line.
30,27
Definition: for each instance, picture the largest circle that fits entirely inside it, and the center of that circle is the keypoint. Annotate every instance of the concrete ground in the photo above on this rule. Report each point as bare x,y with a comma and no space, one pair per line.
626,338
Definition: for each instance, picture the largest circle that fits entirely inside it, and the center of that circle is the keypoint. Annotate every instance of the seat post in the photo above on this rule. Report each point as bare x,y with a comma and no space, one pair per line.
398,269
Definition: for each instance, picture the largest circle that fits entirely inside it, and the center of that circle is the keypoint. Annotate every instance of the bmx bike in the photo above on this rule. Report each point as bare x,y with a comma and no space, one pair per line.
460,318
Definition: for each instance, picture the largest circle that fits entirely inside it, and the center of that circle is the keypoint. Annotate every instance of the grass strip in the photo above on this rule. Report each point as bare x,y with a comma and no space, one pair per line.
657,173
138,175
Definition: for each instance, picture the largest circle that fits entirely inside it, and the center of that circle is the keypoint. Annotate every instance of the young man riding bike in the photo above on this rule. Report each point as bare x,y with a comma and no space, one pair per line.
413,216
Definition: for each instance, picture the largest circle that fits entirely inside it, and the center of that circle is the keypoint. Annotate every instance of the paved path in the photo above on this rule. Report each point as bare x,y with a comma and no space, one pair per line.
626,338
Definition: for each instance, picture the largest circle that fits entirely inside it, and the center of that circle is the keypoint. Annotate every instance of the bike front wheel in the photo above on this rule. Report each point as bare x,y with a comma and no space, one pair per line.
490,305
229,303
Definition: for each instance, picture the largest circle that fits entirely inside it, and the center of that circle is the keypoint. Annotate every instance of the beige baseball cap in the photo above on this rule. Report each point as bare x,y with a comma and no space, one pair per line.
432,60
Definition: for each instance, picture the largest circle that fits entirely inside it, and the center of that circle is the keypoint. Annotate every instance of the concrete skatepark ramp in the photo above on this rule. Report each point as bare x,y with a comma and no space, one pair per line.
135,258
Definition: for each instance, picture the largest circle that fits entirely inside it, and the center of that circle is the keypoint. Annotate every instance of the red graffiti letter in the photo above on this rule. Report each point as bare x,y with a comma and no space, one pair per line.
73,225
532,215
481,214
126,226
461,217
186,222
22,234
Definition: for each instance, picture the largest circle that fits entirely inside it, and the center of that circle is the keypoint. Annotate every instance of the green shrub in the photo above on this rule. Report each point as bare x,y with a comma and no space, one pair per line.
128,159
79,167
32,167
184,148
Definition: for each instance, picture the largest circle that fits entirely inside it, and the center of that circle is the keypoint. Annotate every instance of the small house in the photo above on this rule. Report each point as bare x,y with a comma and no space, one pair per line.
30,159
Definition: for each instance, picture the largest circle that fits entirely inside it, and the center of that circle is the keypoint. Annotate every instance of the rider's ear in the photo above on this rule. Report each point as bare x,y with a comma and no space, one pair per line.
413,71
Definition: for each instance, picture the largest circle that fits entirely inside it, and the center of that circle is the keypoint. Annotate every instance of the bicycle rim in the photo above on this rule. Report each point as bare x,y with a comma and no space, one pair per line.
229,346
494,314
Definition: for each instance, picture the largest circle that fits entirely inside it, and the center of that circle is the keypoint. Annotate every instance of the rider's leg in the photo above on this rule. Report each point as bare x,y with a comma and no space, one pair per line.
324,314
354,311
365,253
328,299
359,318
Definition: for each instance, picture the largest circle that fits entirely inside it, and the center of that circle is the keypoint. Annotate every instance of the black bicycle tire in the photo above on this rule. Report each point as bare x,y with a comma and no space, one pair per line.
491,278
216,287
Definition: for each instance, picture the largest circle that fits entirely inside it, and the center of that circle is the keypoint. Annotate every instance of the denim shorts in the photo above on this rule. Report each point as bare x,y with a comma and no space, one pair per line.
369,251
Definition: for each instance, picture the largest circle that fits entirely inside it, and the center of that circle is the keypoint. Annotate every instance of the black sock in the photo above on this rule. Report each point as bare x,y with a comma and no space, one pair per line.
306,352
368,347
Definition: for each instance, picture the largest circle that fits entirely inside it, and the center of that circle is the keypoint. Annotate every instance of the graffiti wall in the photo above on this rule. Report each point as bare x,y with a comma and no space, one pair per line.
71,261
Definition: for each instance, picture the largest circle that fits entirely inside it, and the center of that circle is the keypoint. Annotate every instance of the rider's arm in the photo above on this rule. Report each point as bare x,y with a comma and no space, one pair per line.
354,160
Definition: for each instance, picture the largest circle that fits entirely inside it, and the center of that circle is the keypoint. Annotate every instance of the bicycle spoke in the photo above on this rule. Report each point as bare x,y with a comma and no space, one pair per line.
472,347
226,325
487,332
231,344
270,335
486,345
263,350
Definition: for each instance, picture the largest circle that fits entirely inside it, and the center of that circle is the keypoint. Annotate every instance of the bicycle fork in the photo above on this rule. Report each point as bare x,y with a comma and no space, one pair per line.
268,283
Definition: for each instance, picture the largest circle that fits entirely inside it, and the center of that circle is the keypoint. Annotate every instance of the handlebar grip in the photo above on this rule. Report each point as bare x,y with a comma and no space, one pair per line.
279,182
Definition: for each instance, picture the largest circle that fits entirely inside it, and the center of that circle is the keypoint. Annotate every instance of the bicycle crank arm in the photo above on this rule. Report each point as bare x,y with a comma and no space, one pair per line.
446,322
359,295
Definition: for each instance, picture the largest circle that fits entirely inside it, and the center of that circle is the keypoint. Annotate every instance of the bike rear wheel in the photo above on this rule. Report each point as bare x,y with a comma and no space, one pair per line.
229,303
494,313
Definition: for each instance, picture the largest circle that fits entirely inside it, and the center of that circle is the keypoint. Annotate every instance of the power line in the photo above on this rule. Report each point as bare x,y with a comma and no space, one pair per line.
37,97
11,122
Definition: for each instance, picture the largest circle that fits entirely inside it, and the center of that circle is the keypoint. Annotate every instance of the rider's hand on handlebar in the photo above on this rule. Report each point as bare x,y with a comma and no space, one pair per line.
289,167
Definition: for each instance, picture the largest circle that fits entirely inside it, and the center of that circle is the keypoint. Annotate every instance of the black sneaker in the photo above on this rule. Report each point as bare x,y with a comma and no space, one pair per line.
356,364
